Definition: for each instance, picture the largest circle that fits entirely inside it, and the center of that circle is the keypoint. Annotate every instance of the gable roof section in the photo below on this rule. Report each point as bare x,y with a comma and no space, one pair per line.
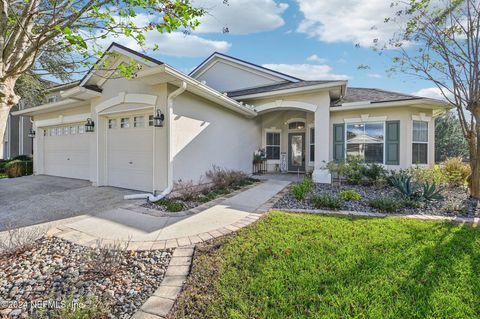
357,95
115,47
276,87
210,61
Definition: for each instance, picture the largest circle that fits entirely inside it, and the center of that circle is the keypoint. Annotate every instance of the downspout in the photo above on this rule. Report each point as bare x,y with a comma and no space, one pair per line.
166,191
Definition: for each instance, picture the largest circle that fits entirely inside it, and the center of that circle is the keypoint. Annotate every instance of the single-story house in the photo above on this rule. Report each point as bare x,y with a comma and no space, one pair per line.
107,129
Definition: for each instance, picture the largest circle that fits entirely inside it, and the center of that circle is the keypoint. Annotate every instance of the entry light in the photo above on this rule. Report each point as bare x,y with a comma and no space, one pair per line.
89,126
158,119
31,133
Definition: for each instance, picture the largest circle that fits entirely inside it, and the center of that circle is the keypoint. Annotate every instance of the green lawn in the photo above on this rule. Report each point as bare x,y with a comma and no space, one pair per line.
307,266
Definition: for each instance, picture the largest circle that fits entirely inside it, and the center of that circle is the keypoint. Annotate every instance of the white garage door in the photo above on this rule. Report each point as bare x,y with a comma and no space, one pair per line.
130,152
67,152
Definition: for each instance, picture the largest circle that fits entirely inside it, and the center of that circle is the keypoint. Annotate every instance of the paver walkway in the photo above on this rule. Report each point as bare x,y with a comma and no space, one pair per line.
143,232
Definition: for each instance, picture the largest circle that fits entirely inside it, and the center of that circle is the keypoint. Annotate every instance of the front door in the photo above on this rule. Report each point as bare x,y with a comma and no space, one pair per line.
296,152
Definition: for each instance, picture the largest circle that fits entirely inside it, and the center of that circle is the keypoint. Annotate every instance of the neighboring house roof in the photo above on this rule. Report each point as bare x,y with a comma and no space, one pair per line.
275,87
218,55
354,95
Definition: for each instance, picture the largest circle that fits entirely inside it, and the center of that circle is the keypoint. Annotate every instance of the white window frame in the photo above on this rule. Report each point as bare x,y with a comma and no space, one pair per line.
135,121
272,130
112,124
350,122
127,121
427,121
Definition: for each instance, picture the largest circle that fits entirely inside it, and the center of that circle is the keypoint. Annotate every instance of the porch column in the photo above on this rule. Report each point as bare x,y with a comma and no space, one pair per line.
322,141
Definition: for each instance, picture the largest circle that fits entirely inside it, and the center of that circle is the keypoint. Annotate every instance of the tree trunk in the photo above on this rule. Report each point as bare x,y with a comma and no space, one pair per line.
8,99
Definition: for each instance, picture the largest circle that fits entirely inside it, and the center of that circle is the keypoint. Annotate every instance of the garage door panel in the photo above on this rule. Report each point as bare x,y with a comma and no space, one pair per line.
67,156
130,158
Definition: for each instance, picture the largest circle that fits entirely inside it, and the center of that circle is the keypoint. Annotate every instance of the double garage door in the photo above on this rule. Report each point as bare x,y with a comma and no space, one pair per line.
129,152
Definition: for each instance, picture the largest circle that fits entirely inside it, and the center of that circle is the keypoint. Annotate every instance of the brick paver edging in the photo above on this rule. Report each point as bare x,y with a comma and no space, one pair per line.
161,302
83,239
469,220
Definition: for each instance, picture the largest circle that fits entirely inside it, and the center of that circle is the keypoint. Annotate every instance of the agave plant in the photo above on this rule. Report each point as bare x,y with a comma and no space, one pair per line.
430,192
403,183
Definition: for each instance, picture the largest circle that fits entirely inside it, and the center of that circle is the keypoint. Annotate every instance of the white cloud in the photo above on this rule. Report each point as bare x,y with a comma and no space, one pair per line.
356,21
175,44
308,71
316,58
374,75
241,16
432,92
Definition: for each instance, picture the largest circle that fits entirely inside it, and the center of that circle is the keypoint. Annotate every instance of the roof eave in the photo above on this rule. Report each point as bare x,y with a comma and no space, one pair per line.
50,107
431,103
209,93
304,89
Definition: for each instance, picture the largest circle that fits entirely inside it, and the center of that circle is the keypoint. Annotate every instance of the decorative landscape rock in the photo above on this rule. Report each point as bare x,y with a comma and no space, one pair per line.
455,202
55,270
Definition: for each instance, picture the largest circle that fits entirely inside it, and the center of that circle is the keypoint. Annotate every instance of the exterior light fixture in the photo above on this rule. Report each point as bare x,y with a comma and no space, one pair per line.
89,126
31,133
158,119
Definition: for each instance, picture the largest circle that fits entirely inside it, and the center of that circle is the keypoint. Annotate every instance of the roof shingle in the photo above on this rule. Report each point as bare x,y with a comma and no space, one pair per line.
372,95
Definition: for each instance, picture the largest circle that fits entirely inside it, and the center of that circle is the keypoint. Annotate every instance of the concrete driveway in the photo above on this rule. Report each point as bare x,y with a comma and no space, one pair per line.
32,200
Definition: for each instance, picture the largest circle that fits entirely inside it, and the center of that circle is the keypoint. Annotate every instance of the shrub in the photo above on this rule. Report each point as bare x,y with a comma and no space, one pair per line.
375,173
355,171
189,190
349,194
386,204
327,201
423,175
24,158
19,168
16,240
411,203
300,190
106,259
456,171
224,178
171,205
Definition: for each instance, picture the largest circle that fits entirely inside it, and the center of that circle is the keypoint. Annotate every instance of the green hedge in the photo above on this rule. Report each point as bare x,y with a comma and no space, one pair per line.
17,168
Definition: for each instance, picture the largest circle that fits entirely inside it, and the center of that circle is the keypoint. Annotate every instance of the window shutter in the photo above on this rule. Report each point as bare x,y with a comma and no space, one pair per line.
392,143
338,142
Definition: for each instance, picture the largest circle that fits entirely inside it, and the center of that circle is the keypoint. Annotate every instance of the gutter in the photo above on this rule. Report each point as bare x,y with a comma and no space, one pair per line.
168,190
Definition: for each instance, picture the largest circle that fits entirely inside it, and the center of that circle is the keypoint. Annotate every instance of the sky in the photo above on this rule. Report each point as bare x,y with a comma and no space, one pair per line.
309,39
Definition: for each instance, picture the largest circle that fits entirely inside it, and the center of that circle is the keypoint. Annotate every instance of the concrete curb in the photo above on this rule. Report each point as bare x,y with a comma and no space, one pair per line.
161,302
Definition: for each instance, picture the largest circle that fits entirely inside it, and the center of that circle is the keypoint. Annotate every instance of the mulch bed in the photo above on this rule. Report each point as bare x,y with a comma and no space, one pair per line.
57,270
455,202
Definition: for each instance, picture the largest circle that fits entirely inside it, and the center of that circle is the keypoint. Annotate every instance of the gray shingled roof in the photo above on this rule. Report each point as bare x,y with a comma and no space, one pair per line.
275,87
373,96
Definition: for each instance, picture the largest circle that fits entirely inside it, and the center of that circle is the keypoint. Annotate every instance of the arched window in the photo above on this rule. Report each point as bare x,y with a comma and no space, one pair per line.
296,125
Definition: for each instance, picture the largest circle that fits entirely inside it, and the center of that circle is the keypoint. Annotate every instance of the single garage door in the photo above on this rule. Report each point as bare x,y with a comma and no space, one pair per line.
67,151
130,152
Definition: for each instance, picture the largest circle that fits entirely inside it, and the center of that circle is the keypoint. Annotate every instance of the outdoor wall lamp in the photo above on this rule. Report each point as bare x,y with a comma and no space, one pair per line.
89,126
31,133
158,119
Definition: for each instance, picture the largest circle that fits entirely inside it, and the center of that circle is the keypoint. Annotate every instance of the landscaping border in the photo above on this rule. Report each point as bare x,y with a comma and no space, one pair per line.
161,302
469,220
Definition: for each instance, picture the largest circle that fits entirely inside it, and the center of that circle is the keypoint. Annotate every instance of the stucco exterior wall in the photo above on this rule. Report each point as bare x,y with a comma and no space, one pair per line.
205,134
